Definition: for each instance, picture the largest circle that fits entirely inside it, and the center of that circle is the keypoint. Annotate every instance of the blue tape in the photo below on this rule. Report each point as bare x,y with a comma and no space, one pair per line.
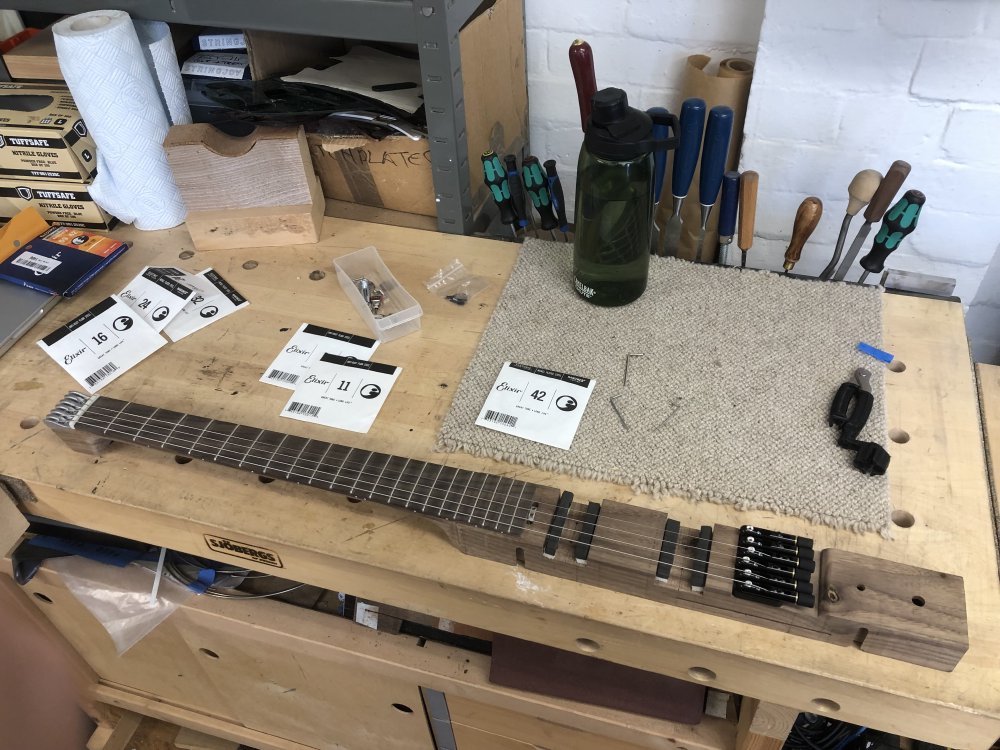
871,351
206,577
102,553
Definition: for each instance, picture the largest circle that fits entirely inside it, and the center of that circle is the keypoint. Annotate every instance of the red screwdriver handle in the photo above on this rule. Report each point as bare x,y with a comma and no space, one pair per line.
581,60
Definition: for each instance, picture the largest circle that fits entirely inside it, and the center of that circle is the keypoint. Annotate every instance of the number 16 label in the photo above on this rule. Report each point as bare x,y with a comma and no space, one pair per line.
536,404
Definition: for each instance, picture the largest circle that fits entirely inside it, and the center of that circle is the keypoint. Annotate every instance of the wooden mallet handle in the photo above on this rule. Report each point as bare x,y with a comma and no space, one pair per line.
581,60
891,184
861,189
748,209
806,219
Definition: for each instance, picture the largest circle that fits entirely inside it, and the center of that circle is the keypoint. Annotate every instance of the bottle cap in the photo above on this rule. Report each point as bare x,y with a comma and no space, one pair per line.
616,131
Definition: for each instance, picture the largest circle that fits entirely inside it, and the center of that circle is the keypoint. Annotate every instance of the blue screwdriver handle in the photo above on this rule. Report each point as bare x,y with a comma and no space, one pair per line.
730,201
714,153
661,131
692,123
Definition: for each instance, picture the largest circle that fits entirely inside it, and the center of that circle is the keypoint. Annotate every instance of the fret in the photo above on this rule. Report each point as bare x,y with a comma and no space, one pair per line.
274,453
368,458
416,483
518,508
247,454
430,492
340,468
167,438
399,475
454,497
222,447
499,517
319,463
211,440
444,500
111,423
138,433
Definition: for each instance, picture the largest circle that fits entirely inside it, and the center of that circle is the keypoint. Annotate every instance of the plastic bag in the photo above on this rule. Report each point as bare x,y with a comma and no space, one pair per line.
119,597
455,283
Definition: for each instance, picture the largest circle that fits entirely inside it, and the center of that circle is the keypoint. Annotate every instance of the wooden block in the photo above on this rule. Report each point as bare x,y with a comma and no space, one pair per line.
34,59
270,167
105,738
763,726
188,739
270,226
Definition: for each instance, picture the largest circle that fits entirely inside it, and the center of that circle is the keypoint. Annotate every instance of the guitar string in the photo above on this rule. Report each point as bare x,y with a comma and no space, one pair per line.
345,465
728,577
121,413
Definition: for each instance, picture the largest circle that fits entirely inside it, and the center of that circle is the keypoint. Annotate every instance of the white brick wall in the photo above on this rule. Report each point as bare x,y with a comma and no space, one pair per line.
839,87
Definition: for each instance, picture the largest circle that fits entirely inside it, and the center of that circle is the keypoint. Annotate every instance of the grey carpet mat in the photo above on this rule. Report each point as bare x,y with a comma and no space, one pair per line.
728,403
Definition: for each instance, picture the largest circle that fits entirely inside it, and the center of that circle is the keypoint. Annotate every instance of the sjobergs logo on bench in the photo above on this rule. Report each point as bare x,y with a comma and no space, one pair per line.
244,550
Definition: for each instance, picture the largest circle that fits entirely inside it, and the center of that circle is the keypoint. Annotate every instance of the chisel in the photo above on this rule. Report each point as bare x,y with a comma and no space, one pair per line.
581,60
660,132
713,164
748,213
887,190
727,213
859,192
899,221
496,181
692,123
806,219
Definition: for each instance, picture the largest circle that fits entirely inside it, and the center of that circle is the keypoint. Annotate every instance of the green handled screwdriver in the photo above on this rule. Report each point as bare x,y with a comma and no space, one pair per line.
522,214
538,190
496,180
558,199
899,221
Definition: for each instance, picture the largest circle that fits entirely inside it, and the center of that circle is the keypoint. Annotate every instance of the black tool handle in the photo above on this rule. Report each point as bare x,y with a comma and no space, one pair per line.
516,190
899,221
538,191
496,181
556,193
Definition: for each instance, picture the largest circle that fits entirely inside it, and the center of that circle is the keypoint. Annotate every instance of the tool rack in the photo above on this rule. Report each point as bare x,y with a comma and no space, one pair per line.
432,25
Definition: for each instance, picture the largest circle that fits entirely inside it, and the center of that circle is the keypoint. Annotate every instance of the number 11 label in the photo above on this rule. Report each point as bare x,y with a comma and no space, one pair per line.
536,404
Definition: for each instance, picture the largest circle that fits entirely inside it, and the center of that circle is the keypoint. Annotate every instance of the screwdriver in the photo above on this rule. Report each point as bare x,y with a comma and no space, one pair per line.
538,191
748,213
522,215
692,125
859,192
556,194
887,190
806,219
727,213
496,181
713,164
899,221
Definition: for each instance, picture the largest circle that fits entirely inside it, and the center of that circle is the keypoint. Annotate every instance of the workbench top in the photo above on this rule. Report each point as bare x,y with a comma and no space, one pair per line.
938,477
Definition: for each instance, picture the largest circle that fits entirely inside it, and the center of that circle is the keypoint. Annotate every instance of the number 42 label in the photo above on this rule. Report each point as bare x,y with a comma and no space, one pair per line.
536,404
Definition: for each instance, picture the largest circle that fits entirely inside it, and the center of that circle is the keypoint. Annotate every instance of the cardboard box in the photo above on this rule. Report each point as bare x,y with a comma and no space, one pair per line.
42,135
395,173
61,203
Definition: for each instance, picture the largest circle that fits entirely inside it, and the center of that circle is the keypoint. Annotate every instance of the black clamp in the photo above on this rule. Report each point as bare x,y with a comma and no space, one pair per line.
849,411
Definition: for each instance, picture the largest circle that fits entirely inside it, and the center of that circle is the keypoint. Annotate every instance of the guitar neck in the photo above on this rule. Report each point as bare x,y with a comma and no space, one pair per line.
497,504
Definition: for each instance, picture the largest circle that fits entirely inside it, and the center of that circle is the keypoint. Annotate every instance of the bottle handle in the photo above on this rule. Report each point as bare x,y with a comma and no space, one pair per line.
662,144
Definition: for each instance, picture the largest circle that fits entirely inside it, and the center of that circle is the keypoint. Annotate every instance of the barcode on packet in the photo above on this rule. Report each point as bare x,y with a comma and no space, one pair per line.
284,377
307,409
98,376
505,419
35,263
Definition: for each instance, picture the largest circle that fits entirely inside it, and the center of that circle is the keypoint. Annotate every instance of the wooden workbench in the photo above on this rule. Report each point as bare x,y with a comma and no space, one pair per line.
938,476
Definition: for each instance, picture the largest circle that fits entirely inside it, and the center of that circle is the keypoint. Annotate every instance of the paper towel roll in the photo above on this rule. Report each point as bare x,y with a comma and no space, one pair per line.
158,46
105,68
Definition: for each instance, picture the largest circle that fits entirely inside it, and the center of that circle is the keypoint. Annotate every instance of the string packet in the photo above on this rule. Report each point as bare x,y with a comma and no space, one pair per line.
455,284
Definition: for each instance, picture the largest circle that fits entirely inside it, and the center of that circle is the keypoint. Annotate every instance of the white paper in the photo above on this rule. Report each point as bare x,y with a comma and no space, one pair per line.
342,392
217,64
156,297
105,67
308,344
536,404
158,46
213,300
102,344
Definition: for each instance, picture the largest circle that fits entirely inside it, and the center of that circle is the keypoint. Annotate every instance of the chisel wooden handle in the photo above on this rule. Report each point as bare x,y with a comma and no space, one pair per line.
861,189
581,60
806,219
748,209
891,184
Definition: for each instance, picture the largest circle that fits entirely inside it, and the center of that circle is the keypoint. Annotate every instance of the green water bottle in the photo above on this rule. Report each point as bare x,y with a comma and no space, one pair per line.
614,200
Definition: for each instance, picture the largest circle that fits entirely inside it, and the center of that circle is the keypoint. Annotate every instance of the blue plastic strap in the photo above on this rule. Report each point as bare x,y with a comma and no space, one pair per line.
871,351
206,577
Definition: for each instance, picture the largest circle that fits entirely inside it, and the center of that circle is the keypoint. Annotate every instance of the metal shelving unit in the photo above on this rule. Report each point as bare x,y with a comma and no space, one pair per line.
432,25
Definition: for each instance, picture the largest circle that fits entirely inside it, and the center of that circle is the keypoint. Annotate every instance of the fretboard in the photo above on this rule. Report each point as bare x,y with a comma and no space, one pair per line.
492,502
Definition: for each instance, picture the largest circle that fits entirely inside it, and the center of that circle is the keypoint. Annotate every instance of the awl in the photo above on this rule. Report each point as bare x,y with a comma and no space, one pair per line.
713,165
899,221
887,190
806,219
581,61
727,214
692,124
859,192
748,214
